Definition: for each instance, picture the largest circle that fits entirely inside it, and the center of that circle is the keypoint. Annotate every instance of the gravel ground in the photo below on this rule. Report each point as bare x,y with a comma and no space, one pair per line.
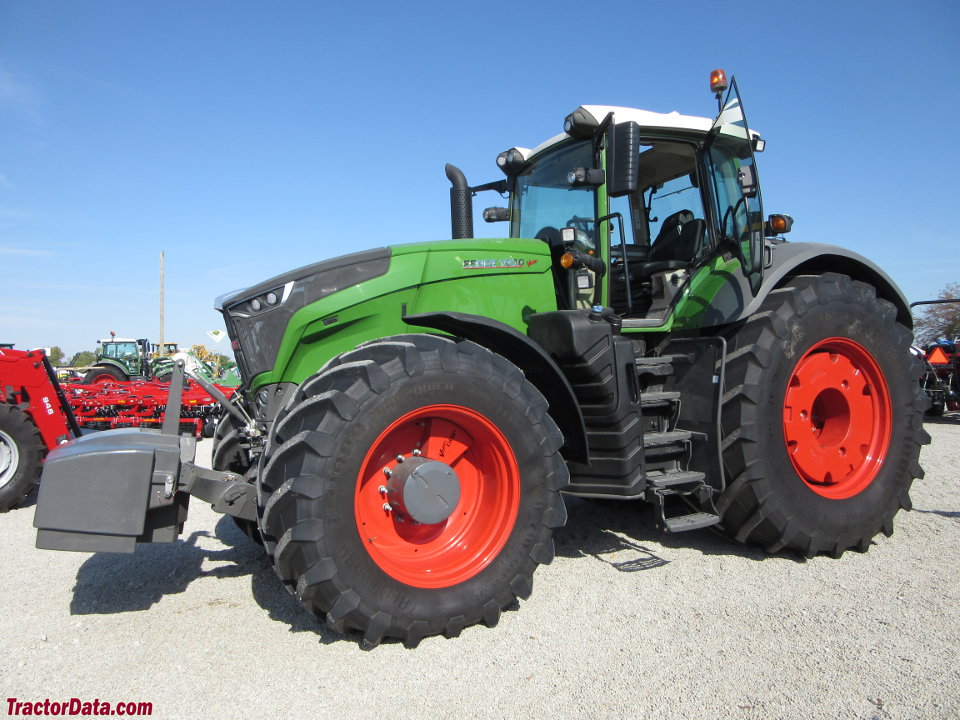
625,622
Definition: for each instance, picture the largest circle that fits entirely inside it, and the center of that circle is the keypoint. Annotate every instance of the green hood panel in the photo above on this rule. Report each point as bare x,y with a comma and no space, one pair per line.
506,280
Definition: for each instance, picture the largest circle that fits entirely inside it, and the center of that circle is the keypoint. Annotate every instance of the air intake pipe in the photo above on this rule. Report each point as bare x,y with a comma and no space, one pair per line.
461,204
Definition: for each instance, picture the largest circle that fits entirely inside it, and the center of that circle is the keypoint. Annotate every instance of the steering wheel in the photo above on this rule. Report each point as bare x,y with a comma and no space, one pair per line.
731,213
549,235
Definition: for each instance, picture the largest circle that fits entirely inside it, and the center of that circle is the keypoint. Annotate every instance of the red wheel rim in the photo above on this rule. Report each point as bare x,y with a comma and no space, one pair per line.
837,418
456,549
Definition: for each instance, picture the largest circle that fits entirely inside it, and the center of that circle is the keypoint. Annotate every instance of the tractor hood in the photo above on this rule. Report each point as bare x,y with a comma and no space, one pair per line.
256,318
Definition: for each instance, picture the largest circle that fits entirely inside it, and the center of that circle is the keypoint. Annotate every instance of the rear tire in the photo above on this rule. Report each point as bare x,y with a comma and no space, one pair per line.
822,419
21,455
107,373
377,570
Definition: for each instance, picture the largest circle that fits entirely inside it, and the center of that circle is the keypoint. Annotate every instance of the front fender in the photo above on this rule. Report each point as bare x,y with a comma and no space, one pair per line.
539,368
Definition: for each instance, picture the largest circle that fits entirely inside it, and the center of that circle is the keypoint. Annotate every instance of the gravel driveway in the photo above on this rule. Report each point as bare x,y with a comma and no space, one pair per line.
625,622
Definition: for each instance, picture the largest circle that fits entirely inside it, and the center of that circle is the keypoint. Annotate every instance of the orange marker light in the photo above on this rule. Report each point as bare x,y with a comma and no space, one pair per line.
566,260
718,81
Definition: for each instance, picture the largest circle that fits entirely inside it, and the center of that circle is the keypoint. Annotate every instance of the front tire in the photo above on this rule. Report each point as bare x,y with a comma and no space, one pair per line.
822,419
369,556
21,454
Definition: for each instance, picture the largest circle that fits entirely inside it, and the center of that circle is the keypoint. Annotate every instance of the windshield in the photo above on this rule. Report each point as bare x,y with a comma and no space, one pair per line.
120,349
543,197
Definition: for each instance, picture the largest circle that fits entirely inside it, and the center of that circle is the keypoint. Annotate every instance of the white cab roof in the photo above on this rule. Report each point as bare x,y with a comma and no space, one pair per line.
646,119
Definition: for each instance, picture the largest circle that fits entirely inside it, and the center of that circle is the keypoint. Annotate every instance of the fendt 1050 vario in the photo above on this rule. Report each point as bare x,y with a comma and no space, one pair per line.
413,415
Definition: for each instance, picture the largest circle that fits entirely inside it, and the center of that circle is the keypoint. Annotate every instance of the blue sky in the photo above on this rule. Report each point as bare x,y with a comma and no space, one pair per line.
247,138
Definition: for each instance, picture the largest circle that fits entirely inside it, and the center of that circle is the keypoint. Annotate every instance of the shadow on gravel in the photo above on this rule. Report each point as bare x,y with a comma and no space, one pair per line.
952,514
950,418
624,535
112,583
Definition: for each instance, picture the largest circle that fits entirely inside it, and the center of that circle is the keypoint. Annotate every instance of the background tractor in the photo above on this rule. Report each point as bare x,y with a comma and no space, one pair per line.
411,416
120,359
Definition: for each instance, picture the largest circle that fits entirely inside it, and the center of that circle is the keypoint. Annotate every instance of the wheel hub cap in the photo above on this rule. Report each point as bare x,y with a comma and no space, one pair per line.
424,490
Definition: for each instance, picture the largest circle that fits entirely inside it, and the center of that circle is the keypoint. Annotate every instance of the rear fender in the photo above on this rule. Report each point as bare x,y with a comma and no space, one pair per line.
792,259
730,299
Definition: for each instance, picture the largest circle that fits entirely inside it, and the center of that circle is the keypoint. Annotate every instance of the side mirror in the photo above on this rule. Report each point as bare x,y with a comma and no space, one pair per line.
748,181
623,158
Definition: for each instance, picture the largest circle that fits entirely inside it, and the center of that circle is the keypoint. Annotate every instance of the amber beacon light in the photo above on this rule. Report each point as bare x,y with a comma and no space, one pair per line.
718,82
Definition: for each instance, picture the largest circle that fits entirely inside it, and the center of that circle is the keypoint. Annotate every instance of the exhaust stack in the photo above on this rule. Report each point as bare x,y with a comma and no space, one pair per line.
461,204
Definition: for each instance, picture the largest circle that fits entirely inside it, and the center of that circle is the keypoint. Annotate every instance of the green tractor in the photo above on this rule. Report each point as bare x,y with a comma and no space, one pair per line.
119,359
413,415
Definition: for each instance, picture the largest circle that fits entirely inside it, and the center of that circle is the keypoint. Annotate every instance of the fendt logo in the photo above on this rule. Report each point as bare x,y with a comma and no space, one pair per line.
494,263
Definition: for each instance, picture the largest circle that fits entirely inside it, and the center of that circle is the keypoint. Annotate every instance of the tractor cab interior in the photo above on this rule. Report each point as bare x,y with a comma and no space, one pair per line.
664,234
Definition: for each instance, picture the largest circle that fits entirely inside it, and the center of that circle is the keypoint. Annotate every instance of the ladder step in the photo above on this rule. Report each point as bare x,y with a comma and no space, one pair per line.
659,365
662,439
659,398
675,479
694,521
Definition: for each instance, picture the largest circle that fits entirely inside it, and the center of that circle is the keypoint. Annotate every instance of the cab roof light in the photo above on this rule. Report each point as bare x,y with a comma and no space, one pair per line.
718,82
580,124
511,161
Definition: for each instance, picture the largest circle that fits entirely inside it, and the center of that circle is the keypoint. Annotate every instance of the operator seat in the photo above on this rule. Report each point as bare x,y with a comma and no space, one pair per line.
671,229
678,243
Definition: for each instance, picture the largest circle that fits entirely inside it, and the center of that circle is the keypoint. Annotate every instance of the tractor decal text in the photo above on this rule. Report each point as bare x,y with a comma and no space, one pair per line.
494,263
447,443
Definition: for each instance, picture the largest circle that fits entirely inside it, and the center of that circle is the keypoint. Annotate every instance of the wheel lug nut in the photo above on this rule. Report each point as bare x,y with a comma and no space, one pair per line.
387,507
416,453
382,489
387,471
399,458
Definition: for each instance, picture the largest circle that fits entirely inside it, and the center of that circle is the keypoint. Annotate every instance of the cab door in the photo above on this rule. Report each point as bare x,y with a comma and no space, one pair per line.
735,188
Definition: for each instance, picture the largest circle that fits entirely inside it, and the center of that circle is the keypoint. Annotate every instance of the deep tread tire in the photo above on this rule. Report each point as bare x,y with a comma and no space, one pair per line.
21,455
766,501
310,473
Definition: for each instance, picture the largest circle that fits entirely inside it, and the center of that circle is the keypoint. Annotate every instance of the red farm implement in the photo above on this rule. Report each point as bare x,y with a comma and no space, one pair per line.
34,417
37,413
141,403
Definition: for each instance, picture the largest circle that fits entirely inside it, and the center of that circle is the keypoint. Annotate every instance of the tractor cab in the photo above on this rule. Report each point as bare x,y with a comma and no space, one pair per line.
639,208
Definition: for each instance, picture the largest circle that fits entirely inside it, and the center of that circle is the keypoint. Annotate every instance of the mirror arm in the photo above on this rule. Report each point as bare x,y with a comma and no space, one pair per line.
499,186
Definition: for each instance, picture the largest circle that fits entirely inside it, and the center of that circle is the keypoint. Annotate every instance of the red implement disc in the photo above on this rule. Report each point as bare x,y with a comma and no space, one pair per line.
837,418
453,550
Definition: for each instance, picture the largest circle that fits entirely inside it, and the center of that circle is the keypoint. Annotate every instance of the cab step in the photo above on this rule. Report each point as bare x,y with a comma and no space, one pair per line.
664,439
676,480
662,398
693,521
660,365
